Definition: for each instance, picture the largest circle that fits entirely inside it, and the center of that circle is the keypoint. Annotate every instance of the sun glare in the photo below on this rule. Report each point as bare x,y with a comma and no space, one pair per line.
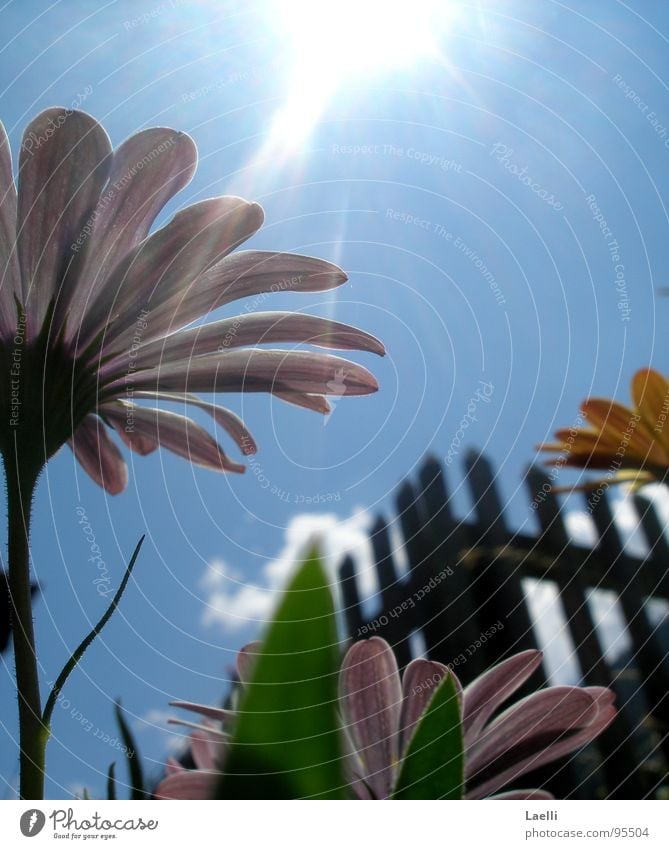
331,42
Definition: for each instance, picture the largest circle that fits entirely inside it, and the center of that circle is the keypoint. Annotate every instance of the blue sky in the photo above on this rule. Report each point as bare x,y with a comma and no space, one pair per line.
461,193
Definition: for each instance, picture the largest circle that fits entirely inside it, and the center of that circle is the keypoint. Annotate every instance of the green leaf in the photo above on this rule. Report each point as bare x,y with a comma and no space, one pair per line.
286,743
134,761
111,782
433,767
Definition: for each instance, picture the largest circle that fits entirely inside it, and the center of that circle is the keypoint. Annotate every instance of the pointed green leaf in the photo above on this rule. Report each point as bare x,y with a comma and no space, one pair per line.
286,743
137,790
111,782
433,767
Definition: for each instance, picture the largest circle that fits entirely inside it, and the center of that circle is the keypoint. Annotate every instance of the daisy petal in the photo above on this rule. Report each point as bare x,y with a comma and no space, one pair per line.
207,750
240,275
619,422
229,421
166,263
650,391
178,434
189,784
419,682
536,731
247,657
371,695
221,714
10,280
172,767
525,794
146,171
256,329
99,456
255,370
63,166
487,692
317,403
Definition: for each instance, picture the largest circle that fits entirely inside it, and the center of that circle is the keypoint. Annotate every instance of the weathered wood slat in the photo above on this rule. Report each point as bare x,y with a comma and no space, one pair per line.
572,590
502,595
485,563
348,584
395,628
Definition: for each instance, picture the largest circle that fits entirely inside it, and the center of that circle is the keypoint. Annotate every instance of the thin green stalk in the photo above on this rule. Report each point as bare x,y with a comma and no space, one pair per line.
78,653
21,482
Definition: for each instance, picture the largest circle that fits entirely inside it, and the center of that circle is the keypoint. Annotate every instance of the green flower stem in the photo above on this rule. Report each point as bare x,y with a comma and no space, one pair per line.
21,482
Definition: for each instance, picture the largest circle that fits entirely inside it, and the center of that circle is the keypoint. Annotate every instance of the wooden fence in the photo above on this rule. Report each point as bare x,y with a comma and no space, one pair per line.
465,581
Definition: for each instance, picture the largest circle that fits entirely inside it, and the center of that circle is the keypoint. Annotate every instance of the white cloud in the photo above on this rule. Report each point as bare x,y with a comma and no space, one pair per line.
154,717
233,605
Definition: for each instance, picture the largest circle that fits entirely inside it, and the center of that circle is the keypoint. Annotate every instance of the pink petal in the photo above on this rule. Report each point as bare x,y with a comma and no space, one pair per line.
536,731
207,750
255,370
524,794
177,433
10,280
173,766
99,456
222,715
239,275
189,784
229,421
146,171
487,692
166,263
317,403
247,657
371,696
419,682
120,415
63,166
256,329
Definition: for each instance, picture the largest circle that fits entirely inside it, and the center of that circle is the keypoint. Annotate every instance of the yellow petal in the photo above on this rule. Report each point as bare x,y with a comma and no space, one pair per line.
650,391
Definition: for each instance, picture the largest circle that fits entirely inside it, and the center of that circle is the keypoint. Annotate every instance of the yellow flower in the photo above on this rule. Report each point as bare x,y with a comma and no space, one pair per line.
632,443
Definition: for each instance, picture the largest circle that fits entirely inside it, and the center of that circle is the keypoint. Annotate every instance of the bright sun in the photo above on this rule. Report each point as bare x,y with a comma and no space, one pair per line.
329,42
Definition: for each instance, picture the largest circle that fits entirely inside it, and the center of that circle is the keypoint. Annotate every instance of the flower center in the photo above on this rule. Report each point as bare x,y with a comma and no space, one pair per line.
45,393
